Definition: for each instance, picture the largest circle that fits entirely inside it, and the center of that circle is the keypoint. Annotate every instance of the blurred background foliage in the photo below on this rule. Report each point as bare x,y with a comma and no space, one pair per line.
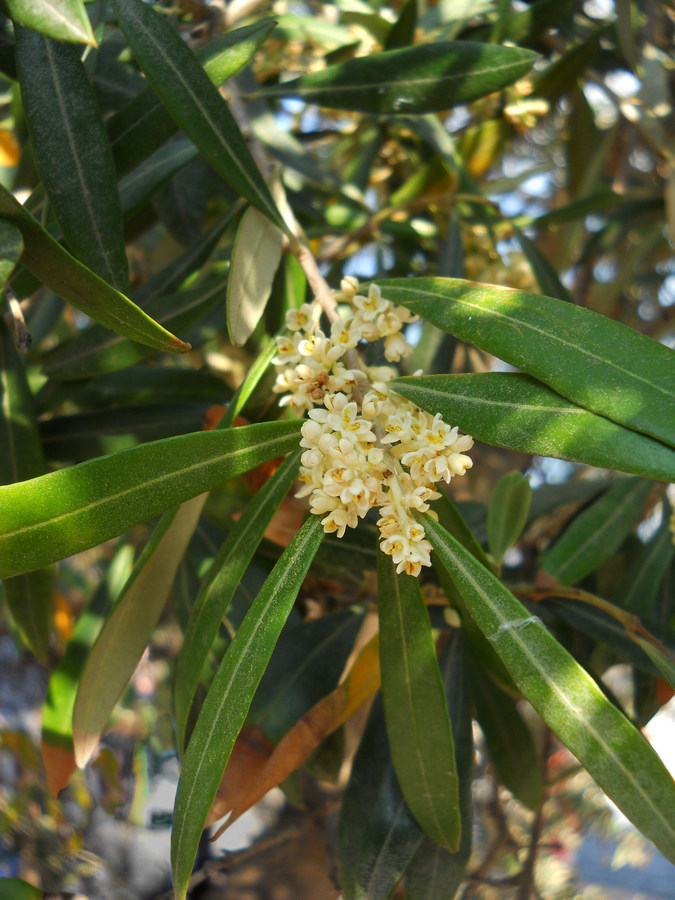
562,183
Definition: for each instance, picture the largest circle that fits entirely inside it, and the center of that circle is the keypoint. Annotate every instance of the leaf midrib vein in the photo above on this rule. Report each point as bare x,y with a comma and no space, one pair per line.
547,334
571,707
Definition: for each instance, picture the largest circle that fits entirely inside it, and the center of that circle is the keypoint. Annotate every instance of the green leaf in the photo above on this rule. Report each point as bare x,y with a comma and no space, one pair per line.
615,754
142,385
229,698
638,588
72,154
29,597
16,889
415,707
11,248
562,75
129,627
96,351
508,739
599,625
255,259
596,533
191,261
664,662
143,125
219,585
305,667
77,284
425,78
250,383
377,834
546,275
137,187
402,32
82,436
515,411
63,20
594,361
57,710
193,101
507,513
64,512
434,873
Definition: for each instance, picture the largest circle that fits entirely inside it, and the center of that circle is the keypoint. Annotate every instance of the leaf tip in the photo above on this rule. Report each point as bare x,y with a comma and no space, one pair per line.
85,745
178,346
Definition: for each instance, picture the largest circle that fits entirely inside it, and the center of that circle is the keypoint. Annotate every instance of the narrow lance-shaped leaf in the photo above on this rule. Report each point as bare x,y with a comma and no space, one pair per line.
57,710
507,513
63,20
144,124
295,747
415,707
615,754
64,512
96,351
219,585
638,587
594,361
597,533
28,596
377,834
508,739
72,153
255,258
664,662
434,873
546,275
515,411
229,698
193,101
11,248
81,287
421,79
129,627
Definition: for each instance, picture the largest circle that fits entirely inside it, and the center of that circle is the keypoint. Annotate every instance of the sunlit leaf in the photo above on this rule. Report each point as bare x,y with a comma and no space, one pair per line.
64,512
57,711
129,627
255,258
230,695
515,411
592,360
615,754
425,78
64,20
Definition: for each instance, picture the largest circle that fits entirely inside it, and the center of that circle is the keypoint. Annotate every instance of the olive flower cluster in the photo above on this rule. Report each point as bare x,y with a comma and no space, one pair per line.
365,446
